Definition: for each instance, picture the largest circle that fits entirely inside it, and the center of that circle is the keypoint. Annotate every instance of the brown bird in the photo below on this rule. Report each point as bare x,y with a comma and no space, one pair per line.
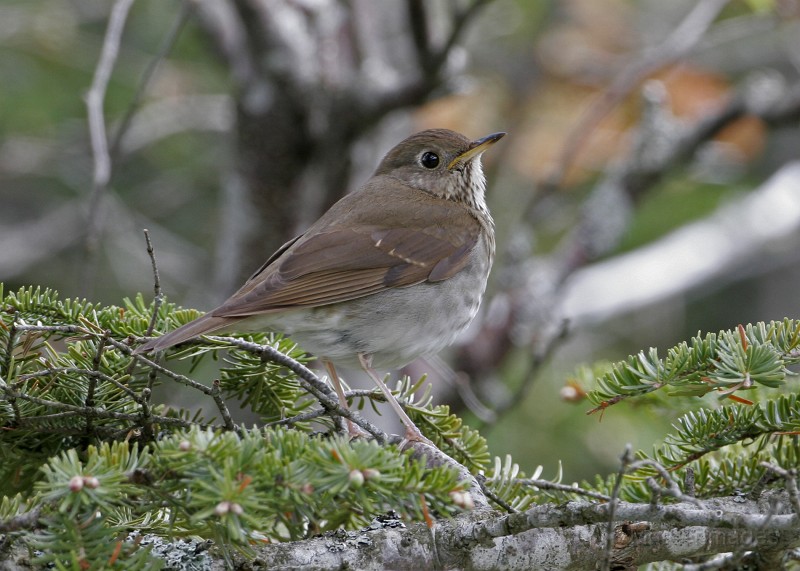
393,271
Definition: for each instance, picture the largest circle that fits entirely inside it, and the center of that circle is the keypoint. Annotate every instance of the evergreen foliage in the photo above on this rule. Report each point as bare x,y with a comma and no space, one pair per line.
92,454
725,362
721,446
86,442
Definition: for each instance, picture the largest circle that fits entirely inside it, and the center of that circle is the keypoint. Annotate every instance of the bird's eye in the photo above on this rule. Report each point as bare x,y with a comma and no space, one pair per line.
429,160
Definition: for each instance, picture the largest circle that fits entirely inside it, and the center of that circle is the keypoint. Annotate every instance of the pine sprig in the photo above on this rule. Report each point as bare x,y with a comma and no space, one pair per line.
734,469
723,446
91,544
236,488
265,387
85,440
506,481
699,432
725,362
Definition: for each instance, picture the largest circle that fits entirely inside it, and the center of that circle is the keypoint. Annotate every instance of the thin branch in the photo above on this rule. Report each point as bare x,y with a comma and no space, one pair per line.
420,33
494,497
304,417
535,364
158,297
585,513
91,373
376,106
81,410
683,38
27,520
227,28
166,47
98,356
460,22
624,462
672,489
308,379
182,379
548,485
67,329
95,99
790,479
223,408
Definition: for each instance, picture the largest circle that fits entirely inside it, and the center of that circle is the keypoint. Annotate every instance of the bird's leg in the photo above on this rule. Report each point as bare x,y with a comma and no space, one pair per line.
352,429
413,433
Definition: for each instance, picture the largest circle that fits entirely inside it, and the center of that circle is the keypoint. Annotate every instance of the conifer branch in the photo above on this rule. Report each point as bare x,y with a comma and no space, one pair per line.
723,362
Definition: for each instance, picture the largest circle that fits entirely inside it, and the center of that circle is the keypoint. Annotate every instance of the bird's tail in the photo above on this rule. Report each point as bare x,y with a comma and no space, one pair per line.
200,326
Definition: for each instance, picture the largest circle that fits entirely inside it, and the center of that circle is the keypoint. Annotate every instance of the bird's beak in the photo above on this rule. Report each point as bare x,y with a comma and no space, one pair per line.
475,149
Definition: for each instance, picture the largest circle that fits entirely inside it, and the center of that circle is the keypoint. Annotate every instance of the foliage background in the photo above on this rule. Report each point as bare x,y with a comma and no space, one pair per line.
531,68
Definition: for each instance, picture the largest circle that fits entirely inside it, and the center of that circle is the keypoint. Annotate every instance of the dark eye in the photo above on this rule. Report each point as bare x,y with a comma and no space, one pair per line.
429,160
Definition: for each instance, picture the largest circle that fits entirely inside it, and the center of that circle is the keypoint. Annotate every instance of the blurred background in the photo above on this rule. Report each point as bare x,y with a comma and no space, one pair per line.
649,187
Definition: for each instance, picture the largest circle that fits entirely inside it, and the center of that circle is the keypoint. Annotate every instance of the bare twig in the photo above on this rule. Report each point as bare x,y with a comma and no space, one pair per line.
308,379
624,462
74,371
83,411
672,488
683,38
27,520
158,298
228,30
548,485
460,21
298,418
790,479
66,329
166,47
182,379
95,98
420,33
216,394
534,366
494,497
432,61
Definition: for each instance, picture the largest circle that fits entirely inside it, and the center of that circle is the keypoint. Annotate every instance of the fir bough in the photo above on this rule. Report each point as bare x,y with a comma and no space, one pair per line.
722,446
90,444
725,362
93,453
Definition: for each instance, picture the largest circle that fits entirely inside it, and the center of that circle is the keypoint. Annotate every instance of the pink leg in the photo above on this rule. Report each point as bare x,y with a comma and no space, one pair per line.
352,429
412,432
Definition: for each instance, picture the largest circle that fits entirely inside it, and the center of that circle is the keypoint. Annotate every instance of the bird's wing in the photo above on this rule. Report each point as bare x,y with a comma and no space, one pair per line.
340,263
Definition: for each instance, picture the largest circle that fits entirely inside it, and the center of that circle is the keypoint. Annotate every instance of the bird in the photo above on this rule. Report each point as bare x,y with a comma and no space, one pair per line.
391,272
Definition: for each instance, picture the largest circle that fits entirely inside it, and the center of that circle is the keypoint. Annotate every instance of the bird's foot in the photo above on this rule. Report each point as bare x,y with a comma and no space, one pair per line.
355,431
413,434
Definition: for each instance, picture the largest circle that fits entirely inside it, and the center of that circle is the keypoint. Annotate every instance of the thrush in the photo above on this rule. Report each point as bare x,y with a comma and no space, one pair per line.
391,272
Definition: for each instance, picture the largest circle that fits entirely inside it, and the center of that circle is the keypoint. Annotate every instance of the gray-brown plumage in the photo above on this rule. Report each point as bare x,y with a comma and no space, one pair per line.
391,272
